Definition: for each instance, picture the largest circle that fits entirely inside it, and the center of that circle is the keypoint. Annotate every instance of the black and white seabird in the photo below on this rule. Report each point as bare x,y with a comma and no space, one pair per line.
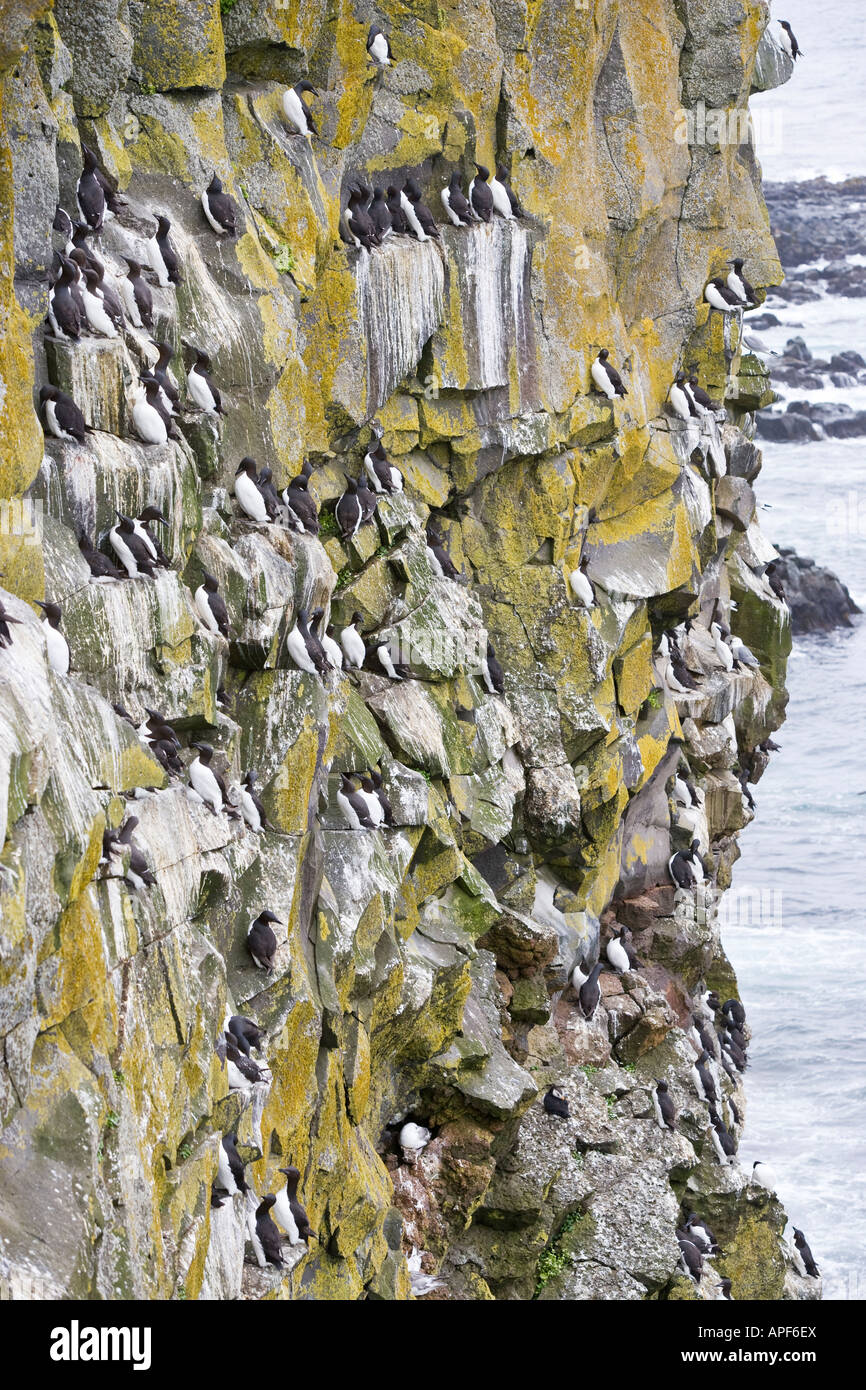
65,309
374,806
376,779
102,304
739,285
763,1175
146,518
492,672
210,606
701,1234
413,224
161,255
555,1103
354,650
265,1237
243,1073
251,806
808,1269
200,385
246,1033
421,215
440,561
230,1172
789,42
304,647
359,223
504,180
265,485
63,224
734,1011
331,648
704,403
302,506
703,1078
380,471
501,200
56,645
296,110
681,402
681,870
723,1141
90,193
380,216
148,418
261,941
136,295
129,548
62,416
101,568
606,378
348,511
203,780
139,874
480,195
691,1257
666,1115
80,241
247,494
219,209
455,202
368,500
590,994
399,224
378,47
617,955
169,393
291,1208
395,670
354,806
718,296
581,585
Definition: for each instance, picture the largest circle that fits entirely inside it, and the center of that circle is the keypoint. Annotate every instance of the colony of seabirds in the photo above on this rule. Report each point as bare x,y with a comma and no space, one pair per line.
85,300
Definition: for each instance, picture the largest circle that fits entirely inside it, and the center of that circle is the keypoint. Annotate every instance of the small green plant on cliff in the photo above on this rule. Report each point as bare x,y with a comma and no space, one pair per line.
327,524
589,1069
226,7
112,1120
553,1260
184,1151
611,1106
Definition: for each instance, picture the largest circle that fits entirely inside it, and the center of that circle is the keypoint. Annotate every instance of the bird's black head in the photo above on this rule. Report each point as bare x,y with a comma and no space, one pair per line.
603,355
48,393
52,611
152,513
737,263
205,749
305,86
215,186
134,267
483,172
90,160
162,224
211,583
247,466
268,916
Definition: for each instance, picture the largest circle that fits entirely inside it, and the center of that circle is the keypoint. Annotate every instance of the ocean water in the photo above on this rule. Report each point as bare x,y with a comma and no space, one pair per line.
796,930
816,123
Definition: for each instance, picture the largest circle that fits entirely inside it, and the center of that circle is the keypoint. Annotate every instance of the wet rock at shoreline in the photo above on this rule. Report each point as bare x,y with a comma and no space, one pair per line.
818,600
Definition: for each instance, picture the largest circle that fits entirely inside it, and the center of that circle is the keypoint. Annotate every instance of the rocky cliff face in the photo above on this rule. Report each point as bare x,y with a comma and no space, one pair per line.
423,970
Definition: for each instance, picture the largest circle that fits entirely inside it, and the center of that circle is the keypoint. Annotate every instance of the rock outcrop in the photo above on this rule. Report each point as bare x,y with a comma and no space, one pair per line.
422,968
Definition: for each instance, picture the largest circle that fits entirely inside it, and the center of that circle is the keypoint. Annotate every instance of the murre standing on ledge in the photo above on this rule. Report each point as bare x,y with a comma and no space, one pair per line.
90,193
65,309
358,222
161,254
147,418
230,1170
739,285
200,385
703,1078
247,494
354,650
210,606
380,215
304,647
718,296
62,416
680,869
264,1237
581,586
763,1175
251,806
555,1103
378,47
296,110
381,472
440,561
492,672
690,1256
666,1115
789,42
303,1229
804,1259
606,378
704,403
617,955
348,511
455,202
130,549
219,209
160,372
261,941
136,295
422,214
301,506
203,780
353,805
56,645
246,1033
681,402
480,195
501,200
514,201
101,568
590,993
